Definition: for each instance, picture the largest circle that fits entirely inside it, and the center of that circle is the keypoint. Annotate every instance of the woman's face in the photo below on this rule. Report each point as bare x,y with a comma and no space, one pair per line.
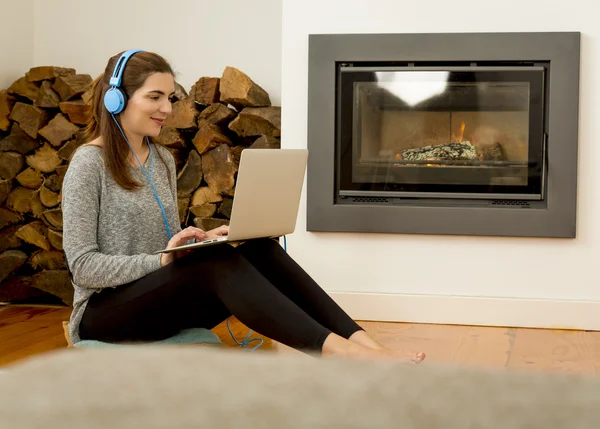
149,106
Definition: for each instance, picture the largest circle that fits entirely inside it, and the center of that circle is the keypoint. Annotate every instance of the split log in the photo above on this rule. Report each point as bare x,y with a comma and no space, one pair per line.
30,178
10,261
9,217
35,233
237,153
184,115
209,137
190,176
55,238
493,152
205,195
219,169
216,114
29,118
67,150
58,130
240,91
25,200
17,288
5,188
18,141
6,104
53,218
171,137
76,110
8,238
205,210
257,121
60,174
451,151
207,224
182,204
180,92
48,198
47,97
266,142
55,282
37,207
230,192
206,90
71,86
36,74
11,164
53,183
180,156
225,207
23,88
86,97
48,260
44,159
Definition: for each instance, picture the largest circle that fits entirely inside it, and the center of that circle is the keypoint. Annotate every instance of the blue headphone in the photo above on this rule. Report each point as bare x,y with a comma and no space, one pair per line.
115,99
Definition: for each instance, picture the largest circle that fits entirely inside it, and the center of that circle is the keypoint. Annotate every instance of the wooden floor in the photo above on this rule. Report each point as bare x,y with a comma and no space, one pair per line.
29,330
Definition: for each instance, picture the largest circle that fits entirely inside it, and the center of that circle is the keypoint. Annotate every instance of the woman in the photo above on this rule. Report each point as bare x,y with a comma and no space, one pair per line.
120,206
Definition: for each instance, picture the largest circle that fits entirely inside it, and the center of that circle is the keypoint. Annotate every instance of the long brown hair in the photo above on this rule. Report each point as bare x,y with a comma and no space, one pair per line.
100,123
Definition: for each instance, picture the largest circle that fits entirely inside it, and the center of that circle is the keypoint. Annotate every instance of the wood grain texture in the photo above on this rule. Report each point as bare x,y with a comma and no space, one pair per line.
29,330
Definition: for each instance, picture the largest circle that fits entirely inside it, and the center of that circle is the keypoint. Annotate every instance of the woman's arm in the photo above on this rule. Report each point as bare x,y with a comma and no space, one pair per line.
81,206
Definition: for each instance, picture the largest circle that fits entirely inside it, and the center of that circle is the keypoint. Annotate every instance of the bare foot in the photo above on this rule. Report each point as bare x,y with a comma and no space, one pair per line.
339,347
385,354
363,339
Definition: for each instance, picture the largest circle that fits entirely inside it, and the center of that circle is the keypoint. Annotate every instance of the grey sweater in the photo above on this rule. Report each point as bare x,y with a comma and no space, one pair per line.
109,233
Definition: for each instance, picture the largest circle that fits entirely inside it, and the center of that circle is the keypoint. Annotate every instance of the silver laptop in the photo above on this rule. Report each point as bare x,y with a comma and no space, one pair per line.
267,196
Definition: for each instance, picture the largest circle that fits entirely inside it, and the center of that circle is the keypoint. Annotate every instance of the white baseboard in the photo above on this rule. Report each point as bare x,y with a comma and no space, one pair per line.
477,311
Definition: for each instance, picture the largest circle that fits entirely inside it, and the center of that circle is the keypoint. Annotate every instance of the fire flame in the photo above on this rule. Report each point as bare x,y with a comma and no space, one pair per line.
459,138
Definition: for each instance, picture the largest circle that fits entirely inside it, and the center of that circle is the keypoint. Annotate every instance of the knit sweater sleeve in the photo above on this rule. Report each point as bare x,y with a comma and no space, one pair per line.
81,201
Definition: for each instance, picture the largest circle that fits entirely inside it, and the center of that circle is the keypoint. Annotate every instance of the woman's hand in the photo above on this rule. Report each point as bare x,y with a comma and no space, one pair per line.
218,232
179,239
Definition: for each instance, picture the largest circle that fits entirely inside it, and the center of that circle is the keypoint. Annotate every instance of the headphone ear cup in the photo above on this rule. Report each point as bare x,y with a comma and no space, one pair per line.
115,100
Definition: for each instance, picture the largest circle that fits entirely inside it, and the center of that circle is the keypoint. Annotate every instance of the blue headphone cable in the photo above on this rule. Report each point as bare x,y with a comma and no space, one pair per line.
148,176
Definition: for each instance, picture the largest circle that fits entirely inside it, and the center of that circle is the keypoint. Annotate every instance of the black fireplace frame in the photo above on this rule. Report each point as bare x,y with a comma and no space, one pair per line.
554,216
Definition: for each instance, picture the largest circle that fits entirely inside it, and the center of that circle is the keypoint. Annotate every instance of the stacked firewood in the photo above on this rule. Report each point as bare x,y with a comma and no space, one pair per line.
41,117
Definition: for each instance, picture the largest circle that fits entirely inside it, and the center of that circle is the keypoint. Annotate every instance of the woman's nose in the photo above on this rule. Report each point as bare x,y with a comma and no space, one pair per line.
166,107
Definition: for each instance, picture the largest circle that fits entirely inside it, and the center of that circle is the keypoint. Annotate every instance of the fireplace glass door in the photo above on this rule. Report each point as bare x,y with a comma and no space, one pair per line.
467,132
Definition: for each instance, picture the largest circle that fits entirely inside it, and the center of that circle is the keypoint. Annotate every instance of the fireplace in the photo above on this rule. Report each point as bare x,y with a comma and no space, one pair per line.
470,134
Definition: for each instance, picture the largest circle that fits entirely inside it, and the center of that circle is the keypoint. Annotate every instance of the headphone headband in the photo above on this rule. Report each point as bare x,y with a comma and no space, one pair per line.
115,99
117,75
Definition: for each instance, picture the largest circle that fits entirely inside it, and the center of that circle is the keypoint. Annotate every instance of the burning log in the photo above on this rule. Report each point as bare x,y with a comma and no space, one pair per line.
493,152
451,151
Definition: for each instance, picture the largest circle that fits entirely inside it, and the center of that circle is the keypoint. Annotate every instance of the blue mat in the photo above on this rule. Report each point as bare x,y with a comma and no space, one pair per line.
187,336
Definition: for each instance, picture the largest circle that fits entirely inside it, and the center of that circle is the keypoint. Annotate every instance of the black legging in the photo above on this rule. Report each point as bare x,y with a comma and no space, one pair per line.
256,281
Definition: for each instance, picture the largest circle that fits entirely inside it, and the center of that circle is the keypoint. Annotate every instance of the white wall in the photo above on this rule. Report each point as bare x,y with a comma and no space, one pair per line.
16,34
412,277
198,37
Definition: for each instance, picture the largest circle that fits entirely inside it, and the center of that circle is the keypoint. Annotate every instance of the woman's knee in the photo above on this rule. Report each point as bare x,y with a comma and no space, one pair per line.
261,243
